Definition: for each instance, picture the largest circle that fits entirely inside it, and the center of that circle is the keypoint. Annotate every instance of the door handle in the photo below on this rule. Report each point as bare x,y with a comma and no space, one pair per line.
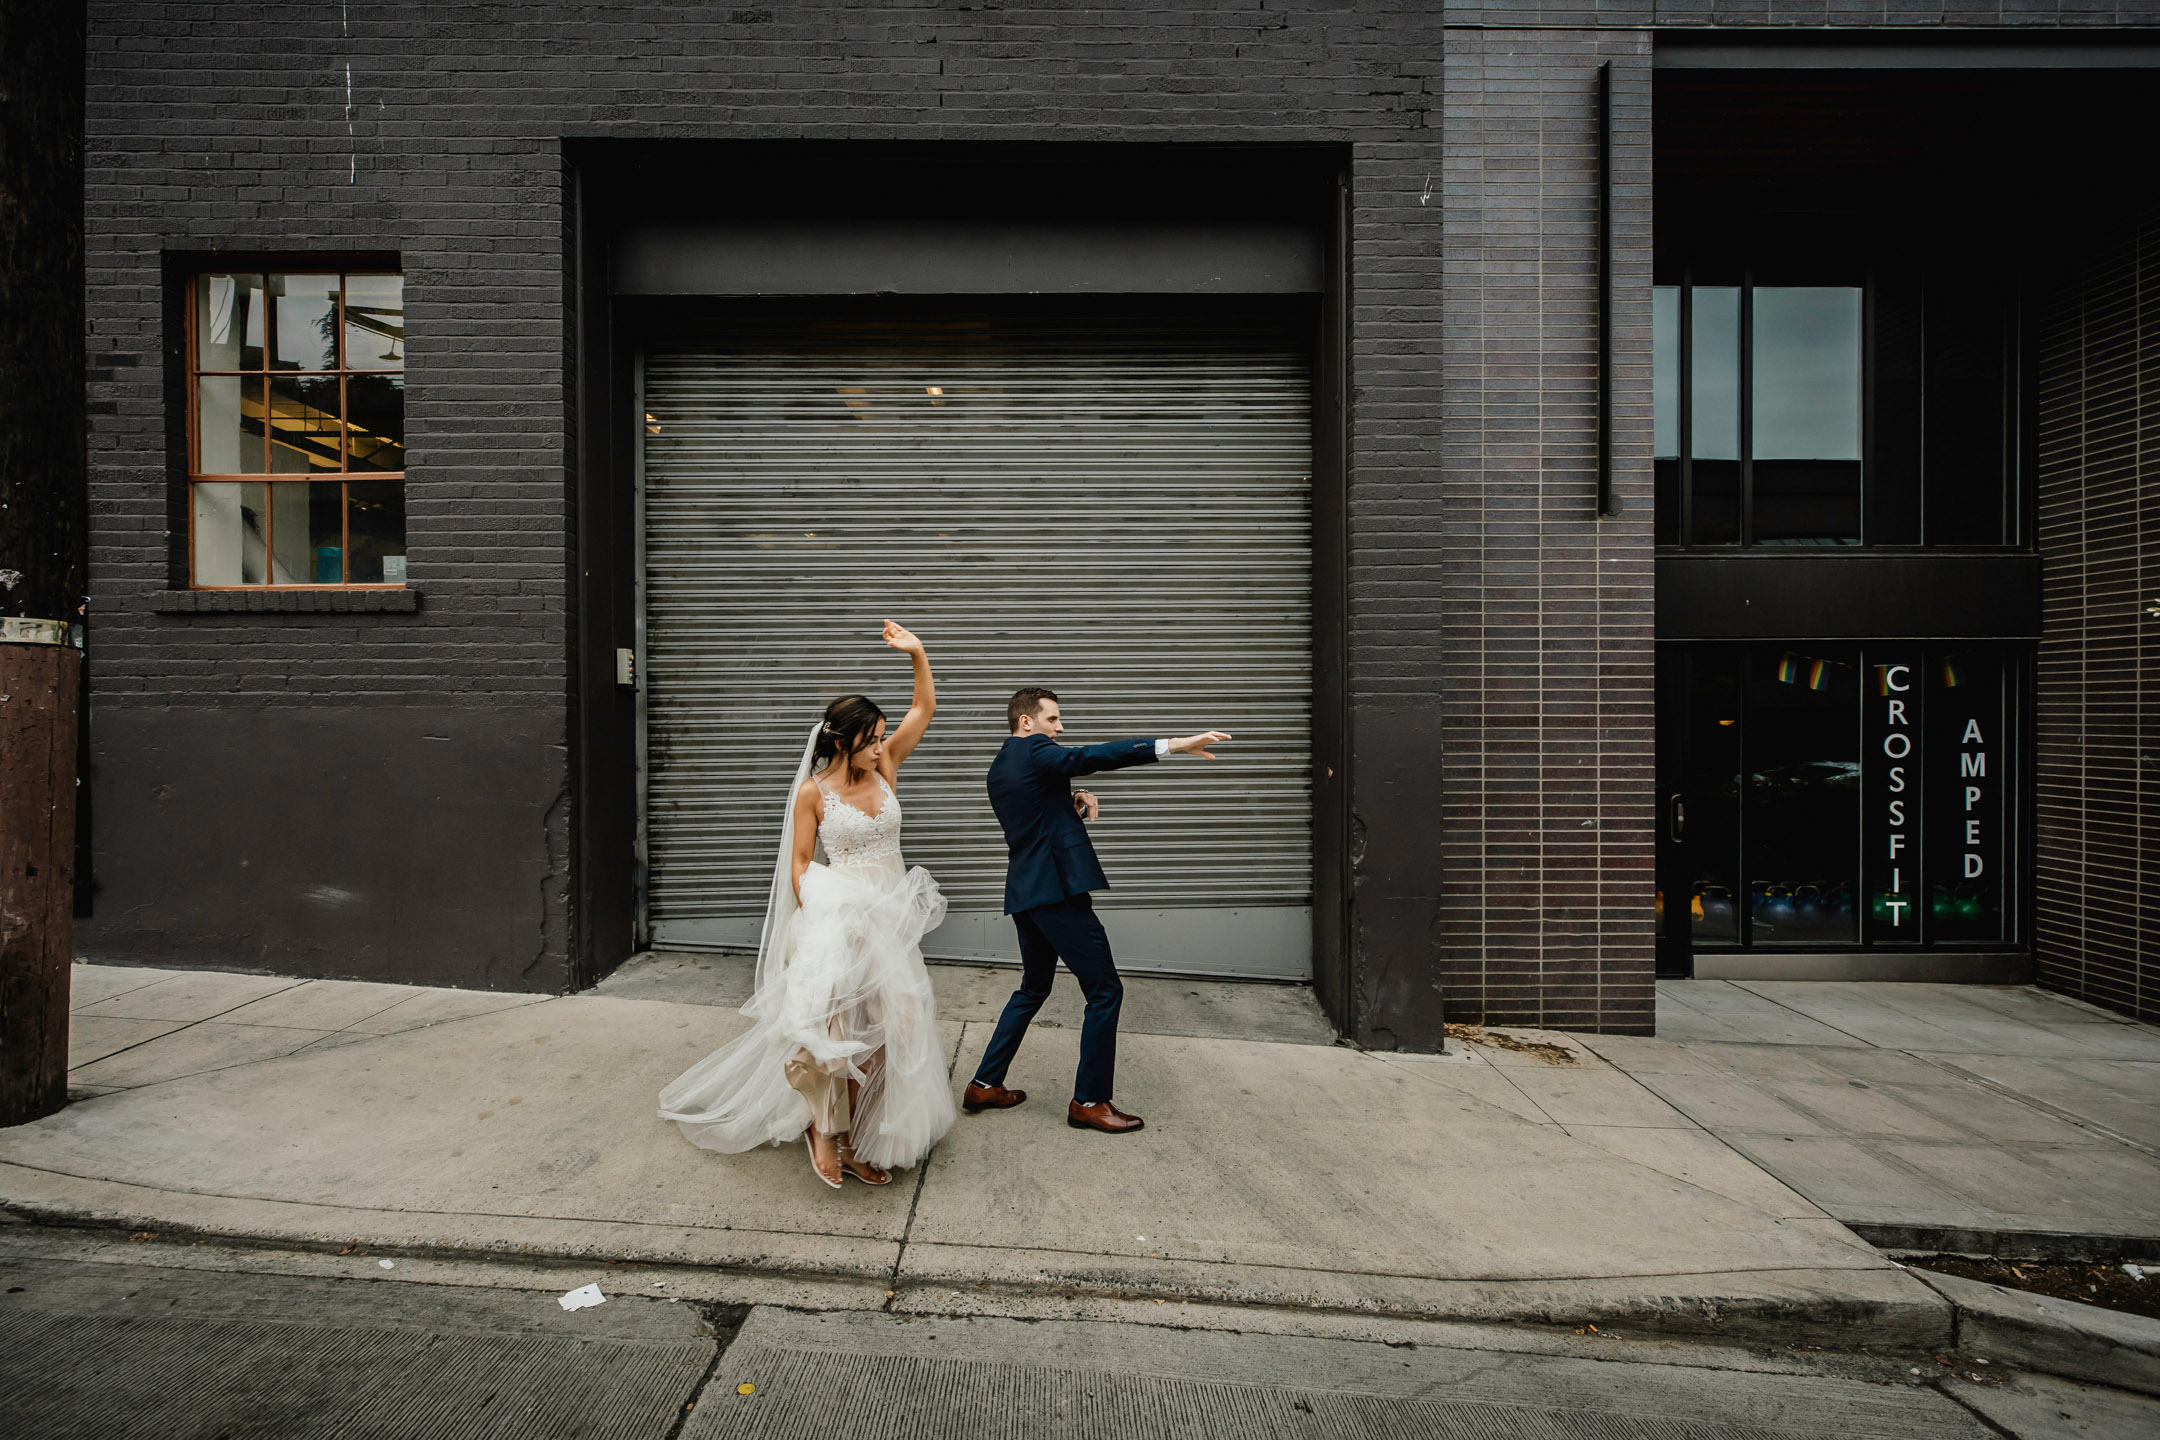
1679,819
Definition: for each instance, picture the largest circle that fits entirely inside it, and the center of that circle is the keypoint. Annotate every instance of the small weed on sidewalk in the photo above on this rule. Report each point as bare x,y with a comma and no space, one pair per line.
1544,1050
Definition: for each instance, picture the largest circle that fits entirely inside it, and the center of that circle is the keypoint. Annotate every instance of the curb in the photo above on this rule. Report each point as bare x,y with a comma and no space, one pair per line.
1901,1307
1798,1307
2039,1245
2058,1337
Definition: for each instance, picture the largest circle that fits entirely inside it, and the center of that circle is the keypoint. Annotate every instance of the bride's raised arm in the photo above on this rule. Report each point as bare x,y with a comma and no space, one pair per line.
909,732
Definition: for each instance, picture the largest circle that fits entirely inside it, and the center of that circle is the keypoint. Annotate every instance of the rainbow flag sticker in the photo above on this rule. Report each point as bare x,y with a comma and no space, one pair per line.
1803,670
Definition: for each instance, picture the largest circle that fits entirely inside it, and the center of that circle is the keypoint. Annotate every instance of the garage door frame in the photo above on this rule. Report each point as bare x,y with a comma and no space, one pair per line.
611,185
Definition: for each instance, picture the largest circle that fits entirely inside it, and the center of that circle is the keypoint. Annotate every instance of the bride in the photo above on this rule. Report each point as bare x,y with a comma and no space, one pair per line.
843,1048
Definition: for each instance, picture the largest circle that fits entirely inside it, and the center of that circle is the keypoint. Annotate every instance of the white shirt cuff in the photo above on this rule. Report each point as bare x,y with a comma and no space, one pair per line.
1162,748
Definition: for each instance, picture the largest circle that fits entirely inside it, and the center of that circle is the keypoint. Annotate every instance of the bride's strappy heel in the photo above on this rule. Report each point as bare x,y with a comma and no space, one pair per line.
849,1165
810,1141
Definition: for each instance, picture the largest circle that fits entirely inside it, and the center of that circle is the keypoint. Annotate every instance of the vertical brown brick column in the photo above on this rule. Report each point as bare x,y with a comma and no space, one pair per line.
1546,707
2097,907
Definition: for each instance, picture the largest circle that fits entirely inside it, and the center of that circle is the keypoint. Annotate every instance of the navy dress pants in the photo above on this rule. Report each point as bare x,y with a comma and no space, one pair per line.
1069,931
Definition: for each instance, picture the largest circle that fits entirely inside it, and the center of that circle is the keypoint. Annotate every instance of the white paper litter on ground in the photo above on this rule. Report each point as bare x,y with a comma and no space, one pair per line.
582,1298
387,1264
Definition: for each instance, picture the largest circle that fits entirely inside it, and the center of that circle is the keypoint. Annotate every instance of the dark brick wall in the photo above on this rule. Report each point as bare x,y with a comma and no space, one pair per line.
2097,916
1498,645
380,795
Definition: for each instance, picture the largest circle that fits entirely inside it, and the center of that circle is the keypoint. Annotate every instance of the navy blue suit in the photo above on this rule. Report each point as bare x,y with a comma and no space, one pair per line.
1050,869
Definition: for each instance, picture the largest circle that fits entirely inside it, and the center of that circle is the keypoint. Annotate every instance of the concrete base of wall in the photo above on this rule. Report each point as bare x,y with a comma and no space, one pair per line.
368,843
1934,967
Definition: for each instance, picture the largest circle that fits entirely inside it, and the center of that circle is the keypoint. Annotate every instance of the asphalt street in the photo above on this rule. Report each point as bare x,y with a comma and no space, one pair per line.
220,1347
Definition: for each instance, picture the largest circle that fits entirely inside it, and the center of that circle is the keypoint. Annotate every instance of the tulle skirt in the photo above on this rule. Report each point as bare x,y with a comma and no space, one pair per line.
854,1001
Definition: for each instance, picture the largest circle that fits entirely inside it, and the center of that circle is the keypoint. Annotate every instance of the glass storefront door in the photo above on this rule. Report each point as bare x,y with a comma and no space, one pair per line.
1837,796
1800,805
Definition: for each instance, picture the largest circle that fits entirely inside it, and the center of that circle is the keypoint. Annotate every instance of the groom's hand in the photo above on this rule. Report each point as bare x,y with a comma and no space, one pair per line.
1087,806
1197,744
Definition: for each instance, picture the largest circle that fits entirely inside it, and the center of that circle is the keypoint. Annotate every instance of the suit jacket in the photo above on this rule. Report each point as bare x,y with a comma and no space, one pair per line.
1051,857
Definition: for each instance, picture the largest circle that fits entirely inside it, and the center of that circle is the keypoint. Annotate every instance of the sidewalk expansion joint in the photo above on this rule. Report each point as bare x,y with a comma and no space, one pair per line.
726,1322
922,1178
1949,1392
182,1029
2032,1102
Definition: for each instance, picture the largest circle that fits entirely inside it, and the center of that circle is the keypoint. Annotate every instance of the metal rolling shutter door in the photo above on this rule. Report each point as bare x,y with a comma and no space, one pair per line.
1119,512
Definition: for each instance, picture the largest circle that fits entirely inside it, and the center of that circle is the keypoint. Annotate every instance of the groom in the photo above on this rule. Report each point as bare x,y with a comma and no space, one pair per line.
1048,875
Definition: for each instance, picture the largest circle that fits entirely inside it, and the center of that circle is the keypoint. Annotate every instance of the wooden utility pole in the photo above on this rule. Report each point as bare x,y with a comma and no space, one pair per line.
42,518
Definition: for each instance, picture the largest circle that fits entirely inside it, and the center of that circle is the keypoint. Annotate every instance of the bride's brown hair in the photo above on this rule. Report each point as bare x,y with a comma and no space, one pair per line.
850,721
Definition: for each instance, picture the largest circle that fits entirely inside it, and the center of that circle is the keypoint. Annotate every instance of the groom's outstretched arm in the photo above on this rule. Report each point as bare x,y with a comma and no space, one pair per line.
1071,760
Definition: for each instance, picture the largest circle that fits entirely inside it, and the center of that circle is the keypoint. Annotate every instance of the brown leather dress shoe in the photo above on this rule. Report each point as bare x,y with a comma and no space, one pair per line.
1104,1117
989,1097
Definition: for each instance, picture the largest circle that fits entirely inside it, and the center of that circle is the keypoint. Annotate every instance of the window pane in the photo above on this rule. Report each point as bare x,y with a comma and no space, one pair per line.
306,336
229,322
375,322
1714,427
1968,781
1803,798
307,533
230,528
1665,369
1807,373
378,421
1893,479
376,531
1665,387
1714,421
229,425
1711,838
1806,435
304,423
1968,447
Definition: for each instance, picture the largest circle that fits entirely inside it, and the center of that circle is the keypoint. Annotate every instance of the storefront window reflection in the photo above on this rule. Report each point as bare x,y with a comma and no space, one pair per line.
1803,797
1710,816
1866,792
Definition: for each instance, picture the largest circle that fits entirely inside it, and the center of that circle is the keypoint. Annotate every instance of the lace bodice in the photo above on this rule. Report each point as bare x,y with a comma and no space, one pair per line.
854,840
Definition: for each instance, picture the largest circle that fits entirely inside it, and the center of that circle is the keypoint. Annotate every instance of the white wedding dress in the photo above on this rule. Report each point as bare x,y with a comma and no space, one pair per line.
841,994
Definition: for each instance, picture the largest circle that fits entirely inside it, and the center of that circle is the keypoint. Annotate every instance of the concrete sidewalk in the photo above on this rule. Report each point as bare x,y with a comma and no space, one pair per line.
1349,1190
1980,1119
